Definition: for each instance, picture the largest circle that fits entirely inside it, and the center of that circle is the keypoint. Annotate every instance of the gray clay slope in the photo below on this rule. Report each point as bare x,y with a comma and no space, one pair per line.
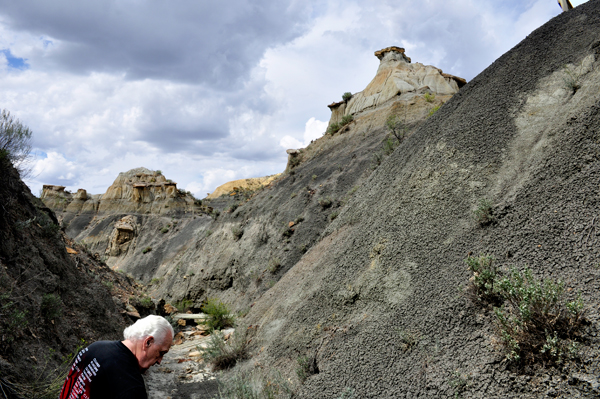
393,260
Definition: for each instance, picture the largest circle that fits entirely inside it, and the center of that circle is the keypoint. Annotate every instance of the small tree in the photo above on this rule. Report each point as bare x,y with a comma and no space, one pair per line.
396,127
15,142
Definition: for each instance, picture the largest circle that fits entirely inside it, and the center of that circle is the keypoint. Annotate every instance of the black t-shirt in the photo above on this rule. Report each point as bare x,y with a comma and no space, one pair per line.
104,370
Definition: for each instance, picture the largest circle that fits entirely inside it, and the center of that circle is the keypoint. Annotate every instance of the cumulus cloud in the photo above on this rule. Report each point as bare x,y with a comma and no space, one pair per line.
211,92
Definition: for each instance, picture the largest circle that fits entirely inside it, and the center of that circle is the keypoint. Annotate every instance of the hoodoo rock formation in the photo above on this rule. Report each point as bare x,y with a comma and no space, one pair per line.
138,190
397,76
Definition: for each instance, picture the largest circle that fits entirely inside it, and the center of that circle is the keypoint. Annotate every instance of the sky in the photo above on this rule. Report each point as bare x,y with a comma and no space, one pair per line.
209,92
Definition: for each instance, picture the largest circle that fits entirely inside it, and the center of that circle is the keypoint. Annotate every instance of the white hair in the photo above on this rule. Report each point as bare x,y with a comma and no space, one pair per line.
149,326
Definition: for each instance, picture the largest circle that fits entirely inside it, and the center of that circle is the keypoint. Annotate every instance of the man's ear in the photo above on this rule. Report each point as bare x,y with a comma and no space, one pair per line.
148,341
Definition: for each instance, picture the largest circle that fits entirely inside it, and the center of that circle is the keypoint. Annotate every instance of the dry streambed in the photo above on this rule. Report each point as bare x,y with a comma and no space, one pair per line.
182,374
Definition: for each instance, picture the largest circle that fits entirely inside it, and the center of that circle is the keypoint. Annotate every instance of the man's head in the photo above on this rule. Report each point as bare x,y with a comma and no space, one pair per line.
149,339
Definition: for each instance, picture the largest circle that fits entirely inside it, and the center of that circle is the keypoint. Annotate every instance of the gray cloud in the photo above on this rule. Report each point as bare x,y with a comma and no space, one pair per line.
188,41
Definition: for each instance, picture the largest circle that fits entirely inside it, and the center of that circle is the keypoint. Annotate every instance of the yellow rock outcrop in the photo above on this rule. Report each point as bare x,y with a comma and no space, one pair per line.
244,184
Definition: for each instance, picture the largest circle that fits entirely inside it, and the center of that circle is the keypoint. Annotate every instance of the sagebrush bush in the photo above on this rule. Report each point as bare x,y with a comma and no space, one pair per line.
307,366
333,128
408,339
51,307
536,323
257,384
347,96
221,354
218,315
484,212
571,79
237,232
429,97
346,119
325,202
274,265
484,275
183,305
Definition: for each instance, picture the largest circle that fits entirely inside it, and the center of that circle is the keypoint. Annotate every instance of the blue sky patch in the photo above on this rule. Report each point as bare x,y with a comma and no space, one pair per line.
15,62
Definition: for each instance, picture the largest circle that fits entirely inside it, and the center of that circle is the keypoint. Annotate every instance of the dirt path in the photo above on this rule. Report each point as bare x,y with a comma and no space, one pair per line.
182,374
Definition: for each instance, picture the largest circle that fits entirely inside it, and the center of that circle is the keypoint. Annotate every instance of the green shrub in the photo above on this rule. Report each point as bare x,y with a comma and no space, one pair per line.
325,202
484,213
221,354
218,315
51,307
165,229
536,323
155,281
434,110
146,250
389,145
346,96
183,305
49,228
237,232
108,284
307,366
429,97
255,385
571,79
346,119
158,172
460,382
333,128
347,394
333,215
408,339
274,265
484,275
295,160
12,320
396,128
146,302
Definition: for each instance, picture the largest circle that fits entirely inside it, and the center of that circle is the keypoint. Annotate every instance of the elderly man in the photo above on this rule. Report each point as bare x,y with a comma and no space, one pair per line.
113,369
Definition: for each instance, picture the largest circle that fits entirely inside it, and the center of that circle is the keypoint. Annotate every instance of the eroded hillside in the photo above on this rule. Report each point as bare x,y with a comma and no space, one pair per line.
54,297
357,261
239,244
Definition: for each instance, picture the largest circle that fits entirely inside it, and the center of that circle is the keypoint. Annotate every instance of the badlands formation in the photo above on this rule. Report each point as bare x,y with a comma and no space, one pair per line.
355,256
